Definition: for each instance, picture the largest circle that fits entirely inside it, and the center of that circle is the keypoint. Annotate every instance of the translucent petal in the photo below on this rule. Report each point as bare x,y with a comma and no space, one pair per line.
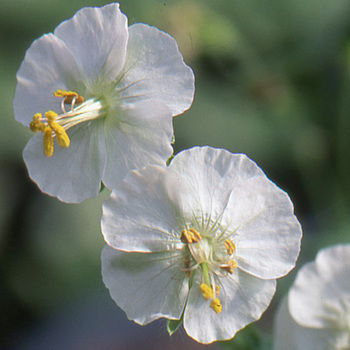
320,296
48,65
138,216
98,38
141,135
243,297
72,174
288,335
145,286
154,69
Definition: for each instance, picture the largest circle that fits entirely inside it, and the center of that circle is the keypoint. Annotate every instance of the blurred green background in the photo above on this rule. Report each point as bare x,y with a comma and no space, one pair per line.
272,81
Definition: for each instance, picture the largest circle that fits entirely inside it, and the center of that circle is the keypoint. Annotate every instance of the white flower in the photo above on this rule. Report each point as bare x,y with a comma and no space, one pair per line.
205,238
106,94
316,313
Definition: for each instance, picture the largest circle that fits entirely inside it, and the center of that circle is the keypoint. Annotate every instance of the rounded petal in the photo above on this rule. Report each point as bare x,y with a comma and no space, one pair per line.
146,286
243,297
320,295
138,216
288,335
48,65
269,234
230,189
98,38
154,69
141,135
72,174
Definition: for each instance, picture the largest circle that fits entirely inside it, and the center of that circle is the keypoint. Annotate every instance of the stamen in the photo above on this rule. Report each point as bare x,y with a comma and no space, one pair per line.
216,305
69,96
190,236
230,246
48,142
61,135
59,124
36,124
206,291
230,266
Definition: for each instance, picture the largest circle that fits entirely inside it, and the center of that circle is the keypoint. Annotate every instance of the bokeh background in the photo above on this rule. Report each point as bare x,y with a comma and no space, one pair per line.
272,81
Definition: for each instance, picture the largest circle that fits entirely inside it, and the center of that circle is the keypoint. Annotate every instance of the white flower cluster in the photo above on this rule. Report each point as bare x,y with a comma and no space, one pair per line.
199,242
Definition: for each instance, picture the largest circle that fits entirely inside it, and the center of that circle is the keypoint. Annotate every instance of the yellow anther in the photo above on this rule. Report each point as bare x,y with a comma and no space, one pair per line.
48,142
216,305
50,116
68,96
190,236
36,125
61,135
206,291
231,265
196,235
230,246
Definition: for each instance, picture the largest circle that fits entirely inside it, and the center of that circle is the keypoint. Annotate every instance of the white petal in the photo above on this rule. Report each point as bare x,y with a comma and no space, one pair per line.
138,216
243,298
268,233
48,65
288,335
154,69
98,38
145,286
140,135
202,179
72,174
320,296
231,189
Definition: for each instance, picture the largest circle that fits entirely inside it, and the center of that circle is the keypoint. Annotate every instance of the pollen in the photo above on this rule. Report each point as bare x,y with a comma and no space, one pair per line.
216,305
206,291
230,246
69,96
190,236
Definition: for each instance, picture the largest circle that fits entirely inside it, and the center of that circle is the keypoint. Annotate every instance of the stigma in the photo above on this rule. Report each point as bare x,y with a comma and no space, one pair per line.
54,126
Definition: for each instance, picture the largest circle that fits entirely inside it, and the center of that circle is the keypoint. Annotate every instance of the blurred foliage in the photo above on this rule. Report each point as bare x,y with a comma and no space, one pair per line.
249,339
272,81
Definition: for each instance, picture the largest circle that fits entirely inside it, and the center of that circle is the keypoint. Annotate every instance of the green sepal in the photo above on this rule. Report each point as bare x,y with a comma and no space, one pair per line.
173,325
169,160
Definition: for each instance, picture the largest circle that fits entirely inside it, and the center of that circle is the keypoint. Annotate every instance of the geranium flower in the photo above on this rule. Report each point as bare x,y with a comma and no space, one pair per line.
316,313
101,97
203,240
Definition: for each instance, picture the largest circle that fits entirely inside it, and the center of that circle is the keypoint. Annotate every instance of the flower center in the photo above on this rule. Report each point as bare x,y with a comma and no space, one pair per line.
53,125
213,259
